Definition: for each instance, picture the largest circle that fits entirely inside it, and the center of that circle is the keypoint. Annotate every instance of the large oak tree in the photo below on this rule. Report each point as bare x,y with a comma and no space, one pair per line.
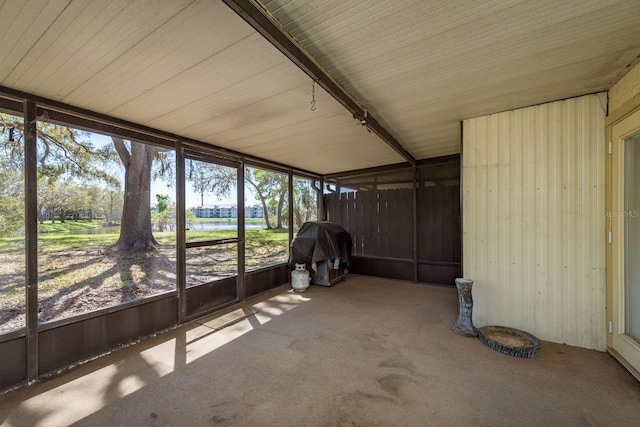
65,154
135,230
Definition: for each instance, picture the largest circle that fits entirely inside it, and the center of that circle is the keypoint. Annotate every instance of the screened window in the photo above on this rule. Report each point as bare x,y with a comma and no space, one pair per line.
12,225
106,231
266,222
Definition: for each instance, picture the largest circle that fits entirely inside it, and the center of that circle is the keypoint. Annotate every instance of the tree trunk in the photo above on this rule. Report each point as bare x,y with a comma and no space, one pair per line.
263,202
297,217
280,204
135,229
265,209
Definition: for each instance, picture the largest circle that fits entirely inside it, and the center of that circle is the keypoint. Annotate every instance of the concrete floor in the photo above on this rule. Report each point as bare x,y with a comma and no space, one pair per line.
365,352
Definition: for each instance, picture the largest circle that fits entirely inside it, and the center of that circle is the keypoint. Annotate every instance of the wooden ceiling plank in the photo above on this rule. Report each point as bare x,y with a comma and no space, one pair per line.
237,99
230,66
166,50
25,27
255,17
111,33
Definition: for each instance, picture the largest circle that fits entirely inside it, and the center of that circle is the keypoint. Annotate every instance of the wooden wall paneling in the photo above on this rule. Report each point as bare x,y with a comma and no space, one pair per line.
384,219
359,218
351,225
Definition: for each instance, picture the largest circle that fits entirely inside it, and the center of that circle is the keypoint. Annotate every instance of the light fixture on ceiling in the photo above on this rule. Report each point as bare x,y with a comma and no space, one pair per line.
360,119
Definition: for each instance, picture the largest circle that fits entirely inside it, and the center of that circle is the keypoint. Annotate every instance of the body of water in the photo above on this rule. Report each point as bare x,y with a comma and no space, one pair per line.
206,226
202,226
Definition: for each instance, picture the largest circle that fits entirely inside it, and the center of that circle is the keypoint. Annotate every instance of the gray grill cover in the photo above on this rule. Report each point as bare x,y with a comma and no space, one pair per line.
319,241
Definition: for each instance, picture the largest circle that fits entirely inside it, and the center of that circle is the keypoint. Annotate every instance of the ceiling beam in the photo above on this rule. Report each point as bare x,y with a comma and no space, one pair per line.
270,29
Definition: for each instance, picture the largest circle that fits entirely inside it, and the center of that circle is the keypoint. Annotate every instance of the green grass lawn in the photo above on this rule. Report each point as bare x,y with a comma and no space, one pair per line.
74,235
73,266
69,236
67,226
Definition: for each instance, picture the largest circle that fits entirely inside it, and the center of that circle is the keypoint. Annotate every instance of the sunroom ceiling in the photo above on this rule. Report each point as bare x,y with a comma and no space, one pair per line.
195,68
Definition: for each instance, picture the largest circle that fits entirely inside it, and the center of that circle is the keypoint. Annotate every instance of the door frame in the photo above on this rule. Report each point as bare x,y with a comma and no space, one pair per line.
618,127
182,244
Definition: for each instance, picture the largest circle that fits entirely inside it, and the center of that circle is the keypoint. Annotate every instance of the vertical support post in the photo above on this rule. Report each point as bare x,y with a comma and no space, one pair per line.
181,239
415,224
240,285
290,201
460,217
320,195
31,237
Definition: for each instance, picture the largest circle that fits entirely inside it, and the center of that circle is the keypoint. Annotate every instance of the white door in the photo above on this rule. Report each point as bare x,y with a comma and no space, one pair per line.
625,239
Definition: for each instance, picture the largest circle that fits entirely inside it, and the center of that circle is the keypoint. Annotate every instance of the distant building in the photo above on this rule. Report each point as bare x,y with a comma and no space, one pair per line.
204,211
227,211
230,211
215,211
254,211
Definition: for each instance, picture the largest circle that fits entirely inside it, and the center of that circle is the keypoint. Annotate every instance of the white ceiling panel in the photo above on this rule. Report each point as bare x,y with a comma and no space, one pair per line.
422,66
195,68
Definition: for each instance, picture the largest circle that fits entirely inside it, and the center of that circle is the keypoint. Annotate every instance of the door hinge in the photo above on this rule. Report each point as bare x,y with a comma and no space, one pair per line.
610,326
610,238
610,147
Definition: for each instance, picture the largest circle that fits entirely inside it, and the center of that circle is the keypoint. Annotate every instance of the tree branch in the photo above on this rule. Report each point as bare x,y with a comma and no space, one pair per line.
122,151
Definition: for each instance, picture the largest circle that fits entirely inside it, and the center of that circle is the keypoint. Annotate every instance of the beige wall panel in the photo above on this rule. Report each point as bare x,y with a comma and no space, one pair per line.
533,223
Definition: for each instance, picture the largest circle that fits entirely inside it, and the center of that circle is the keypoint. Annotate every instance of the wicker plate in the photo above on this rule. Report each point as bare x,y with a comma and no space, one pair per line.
510,341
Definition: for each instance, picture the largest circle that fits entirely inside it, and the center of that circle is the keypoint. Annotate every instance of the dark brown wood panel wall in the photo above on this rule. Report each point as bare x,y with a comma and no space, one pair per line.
204,298
380,220
257,282
13,359
69,343
439,223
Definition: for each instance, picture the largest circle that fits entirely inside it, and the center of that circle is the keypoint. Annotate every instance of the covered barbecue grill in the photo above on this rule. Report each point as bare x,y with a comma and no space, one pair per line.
325,248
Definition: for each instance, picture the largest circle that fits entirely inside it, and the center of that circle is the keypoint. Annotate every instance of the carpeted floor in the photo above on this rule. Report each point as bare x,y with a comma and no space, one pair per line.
365,352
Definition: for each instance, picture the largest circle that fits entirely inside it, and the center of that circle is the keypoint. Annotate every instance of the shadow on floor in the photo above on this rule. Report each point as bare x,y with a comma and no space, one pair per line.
363,352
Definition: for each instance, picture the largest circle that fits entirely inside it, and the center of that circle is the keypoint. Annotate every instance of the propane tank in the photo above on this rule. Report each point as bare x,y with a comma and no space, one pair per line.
300,278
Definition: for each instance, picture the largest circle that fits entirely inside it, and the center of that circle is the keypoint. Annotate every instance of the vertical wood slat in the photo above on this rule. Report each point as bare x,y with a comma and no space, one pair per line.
394,224
351,227
438,232
427,248
372,224
438,223
343,217
447,232
383,224
332,202
359,211
365,204
456,224
330,205
407,223
375,219
533,200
